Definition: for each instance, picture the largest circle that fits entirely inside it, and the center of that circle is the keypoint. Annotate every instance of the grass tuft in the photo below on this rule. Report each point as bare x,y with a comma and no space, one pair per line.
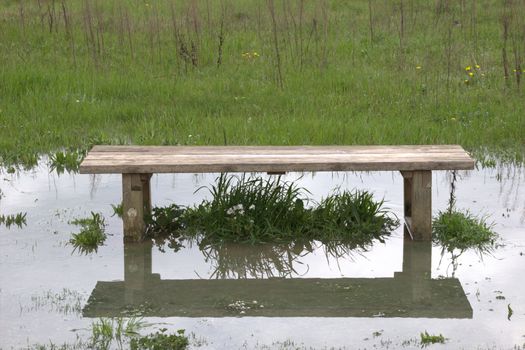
118,210
107,330
66,161
462,230
165,225
18,219
352,217
256,210
91,236
249,211
427,339
161,340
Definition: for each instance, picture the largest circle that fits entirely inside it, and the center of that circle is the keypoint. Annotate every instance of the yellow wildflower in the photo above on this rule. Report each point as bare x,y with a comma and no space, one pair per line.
466,81
418,67
468,68
255,54
470,74
477,66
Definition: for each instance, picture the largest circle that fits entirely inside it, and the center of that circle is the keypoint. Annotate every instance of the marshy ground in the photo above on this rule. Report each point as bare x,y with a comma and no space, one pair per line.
78,73
40,305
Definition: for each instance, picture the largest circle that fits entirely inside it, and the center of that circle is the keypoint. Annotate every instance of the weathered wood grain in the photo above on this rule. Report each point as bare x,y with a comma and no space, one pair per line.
183,159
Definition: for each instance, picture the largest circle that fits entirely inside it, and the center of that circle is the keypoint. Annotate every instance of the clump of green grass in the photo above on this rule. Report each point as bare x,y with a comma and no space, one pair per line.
461,230
161,341
66,161
106,330
18,219
91,236
352,217
427,339
165,224
118,210
255,210
249,211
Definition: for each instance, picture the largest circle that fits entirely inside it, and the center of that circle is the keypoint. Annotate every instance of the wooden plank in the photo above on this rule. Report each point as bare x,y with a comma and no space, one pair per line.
158,159
130,167
265,149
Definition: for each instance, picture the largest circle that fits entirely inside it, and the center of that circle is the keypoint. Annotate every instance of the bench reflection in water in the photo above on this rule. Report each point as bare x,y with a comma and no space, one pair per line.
410,293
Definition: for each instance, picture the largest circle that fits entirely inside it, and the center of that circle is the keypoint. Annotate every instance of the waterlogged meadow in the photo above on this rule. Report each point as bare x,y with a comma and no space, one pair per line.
302,293
77,73
256,261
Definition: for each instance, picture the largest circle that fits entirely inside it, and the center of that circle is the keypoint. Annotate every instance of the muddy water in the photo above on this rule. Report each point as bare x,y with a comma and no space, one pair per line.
281,296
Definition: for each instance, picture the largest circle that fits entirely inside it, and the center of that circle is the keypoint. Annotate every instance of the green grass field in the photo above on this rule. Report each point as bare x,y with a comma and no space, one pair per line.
77,72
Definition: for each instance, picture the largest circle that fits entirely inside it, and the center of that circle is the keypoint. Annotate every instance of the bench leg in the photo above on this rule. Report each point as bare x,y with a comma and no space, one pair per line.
137,271
417,268
146,190
136,201
417,189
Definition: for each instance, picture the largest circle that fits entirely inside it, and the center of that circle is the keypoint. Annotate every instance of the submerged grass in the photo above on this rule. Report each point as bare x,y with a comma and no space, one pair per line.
76,73
91,236
18,219
257,210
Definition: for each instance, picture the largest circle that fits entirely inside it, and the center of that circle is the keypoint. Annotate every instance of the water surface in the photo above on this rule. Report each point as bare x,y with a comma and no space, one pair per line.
271,296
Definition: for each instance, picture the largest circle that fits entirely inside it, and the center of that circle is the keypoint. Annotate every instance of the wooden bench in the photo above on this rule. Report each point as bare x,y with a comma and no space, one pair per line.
138,163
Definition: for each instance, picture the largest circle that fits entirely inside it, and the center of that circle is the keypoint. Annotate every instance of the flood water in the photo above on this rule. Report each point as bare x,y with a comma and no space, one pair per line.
296,296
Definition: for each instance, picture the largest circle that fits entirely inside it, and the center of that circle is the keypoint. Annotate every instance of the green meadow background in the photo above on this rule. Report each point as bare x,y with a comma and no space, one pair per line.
75,73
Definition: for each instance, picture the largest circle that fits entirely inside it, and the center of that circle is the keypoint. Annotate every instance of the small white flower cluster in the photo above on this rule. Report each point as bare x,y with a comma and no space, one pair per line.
236,209
243,306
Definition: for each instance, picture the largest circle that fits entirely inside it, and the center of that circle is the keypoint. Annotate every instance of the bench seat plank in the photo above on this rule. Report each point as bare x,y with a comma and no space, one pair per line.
201,159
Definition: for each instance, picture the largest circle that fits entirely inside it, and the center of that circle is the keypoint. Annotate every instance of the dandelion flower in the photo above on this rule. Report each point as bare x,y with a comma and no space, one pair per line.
468,68
477,66
470,74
